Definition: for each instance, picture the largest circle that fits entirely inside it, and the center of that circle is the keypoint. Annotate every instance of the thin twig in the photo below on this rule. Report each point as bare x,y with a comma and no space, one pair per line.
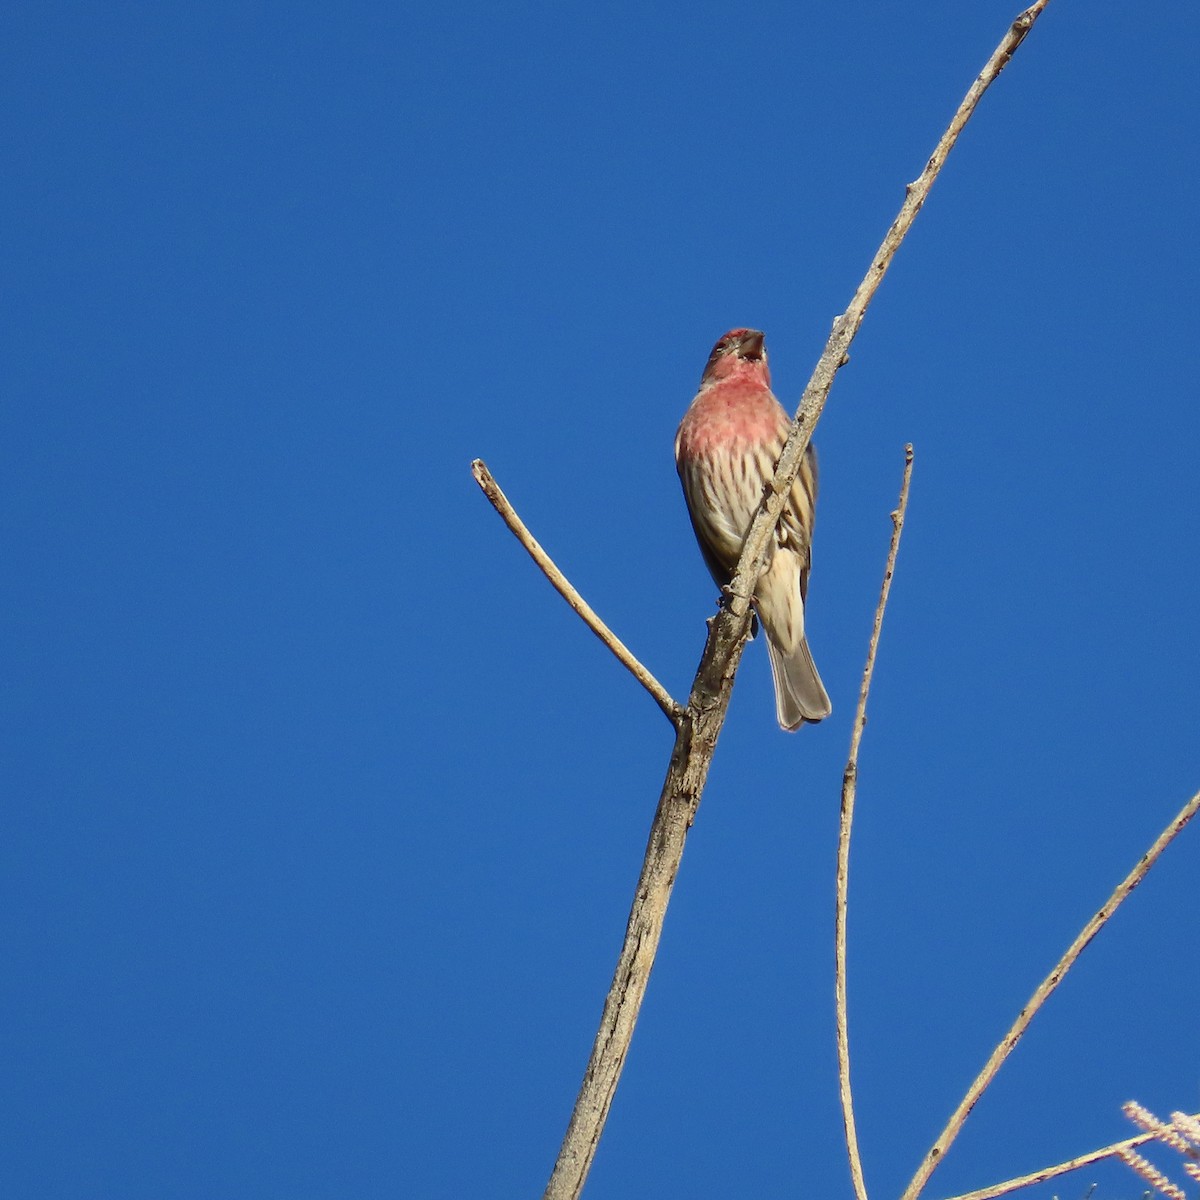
1044,990
849,790
500,502
1084,1160
700,726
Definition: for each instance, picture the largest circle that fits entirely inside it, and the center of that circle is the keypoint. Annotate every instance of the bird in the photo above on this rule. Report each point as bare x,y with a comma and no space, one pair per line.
726,451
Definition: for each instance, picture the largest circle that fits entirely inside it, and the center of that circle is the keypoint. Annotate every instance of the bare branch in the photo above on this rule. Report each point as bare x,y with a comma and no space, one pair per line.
1084,1160
849,790
700,725
754,552
1044,990
500,502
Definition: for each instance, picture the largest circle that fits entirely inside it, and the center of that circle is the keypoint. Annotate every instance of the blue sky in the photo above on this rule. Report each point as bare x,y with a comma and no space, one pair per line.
322,813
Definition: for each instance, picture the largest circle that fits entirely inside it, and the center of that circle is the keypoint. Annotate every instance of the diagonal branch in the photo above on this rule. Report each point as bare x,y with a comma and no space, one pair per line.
1084,1160
754,552
491,489
849,791
1043,992
701,722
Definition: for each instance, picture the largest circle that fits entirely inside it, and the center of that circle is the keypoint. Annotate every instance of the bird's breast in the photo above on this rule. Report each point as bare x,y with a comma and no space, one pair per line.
727,417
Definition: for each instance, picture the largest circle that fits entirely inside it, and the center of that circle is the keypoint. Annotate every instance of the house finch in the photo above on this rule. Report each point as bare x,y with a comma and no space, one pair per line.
726,450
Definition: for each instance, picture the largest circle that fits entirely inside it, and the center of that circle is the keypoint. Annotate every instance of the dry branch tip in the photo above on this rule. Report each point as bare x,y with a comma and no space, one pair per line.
564,587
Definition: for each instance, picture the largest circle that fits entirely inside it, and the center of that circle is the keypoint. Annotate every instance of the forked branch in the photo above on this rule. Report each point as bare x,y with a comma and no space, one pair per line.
699,724
705,714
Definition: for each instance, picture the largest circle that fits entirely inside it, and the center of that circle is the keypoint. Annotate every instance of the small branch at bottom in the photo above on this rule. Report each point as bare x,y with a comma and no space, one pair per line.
1074,1164
937,1151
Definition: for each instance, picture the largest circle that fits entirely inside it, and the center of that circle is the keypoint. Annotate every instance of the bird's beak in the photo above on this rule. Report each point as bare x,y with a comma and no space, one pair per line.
751,345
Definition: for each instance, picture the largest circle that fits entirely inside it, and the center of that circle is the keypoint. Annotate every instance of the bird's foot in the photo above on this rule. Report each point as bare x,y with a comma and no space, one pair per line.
723,601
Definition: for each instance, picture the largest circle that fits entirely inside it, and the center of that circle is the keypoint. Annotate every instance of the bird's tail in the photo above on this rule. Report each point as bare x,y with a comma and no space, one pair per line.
799,693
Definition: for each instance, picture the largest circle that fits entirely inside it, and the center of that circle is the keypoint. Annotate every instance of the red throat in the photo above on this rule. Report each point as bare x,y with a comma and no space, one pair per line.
738,410
753,372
